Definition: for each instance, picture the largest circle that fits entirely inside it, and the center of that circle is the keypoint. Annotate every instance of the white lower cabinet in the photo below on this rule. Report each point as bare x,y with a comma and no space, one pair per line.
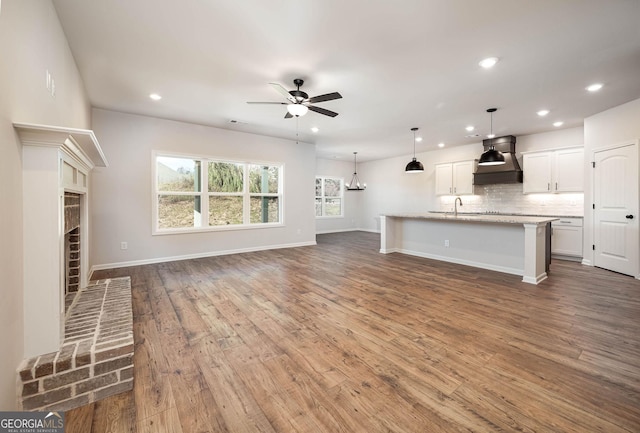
566,238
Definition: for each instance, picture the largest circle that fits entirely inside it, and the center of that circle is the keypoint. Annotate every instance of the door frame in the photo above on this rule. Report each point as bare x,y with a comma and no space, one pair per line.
630,142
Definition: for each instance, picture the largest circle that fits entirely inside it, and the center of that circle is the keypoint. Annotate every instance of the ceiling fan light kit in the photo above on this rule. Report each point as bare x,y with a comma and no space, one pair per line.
491,156
297,110
414,165
299,103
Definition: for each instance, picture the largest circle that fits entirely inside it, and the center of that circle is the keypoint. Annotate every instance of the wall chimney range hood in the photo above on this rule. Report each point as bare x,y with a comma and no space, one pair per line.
509,172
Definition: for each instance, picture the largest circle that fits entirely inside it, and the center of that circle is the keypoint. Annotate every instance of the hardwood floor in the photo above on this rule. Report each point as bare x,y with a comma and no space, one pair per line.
340,338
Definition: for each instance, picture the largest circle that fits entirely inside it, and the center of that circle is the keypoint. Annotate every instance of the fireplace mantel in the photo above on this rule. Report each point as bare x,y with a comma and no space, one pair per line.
54,160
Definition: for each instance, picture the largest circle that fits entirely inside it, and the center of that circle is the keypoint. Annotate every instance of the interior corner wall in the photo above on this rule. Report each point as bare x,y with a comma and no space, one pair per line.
31,42
608,128
121,195
352,199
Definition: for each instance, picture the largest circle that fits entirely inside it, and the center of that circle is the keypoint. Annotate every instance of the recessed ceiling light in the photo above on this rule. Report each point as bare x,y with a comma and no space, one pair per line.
489,62
470,128
543,113
491,135
440,144
556,124
155,96
594,87
418,139
315,129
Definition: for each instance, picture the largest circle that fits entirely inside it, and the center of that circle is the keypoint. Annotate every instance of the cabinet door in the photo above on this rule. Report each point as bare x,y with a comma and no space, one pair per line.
537,172
463,177
569,171
444,176
567,241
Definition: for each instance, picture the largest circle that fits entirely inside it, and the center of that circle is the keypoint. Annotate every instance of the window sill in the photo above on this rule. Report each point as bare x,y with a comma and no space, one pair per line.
189,230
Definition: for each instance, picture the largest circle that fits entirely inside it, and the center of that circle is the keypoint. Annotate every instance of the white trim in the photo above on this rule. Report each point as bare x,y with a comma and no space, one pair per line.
625,143
586,262
326,232
195,256
370,230
81,144
577,146
204,194
357,229
490,267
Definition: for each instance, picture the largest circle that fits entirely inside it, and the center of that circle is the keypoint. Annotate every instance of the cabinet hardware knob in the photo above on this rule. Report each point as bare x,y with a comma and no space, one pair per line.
629,217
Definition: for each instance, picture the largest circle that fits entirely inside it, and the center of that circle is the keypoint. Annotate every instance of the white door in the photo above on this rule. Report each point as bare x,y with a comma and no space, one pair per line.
616,210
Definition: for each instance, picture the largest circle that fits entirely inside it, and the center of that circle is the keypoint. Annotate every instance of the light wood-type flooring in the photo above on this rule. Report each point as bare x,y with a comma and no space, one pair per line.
340,338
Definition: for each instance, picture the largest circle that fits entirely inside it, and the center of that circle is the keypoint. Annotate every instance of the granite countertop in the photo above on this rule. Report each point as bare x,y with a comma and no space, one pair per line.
486,218
510,214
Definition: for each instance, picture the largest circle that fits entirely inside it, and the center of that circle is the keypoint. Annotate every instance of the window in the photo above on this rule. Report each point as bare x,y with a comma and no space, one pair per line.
329,196
194,194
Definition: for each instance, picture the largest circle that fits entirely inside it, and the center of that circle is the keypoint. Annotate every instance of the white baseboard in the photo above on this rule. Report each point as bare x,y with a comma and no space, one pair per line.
194,256
324,232
490,267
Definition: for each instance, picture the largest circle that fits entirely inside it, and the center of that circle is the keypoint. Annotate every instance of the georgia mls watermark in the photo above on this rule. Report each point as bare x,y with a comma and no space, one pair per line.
31,422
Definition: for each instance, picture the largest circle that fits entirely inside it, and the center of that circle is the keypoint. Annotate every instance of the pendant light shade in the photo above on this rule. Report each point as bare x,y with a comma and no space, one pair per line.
354,185
414,165
491,156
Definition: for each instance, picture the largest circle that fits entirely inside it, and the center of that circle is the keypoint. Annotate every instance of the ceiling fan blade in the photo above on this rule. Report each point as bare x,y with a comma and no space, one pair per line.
278,103
327,97
288,115
284,92
323,111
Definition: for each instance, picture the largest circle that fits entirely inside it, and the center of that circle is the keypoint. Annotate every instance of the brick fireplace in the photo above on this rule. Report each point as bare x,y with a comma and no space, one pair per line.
56,163
95,359
78,336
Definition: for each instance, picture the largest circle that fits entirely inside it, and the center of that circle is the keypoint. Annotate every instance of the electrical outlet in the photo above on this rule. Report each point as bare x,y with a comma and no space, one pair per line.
123,245
446,243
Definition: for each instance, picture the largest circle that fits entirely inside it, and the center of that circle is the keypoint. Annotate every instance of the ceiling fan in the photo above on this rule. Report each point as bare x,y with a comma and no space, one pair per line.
299,102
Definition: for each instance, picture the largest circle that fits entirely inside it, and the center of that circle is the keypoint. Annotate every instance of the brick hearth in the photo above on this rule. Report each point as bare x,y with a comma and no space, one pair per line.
96,357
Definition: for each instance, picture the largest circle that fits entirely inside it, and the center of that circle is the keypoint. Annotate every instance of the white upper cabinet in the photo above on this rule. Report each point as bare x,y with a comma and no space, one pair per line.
554,171
569,174
455,178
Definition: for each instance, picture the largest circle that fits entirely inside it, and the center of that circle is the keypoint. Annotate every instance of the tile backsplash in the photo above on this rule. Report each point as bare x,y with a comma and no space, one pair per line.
508,198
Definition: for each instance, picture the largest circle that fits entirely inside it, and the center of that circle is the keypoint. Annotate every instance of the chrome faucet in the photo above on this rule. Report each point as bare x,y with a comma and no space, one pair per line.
455,205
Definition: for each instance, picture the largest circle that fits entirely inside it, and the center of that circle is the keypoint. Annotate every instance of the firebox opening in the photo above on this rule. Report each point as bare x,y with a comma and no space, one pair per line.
71,246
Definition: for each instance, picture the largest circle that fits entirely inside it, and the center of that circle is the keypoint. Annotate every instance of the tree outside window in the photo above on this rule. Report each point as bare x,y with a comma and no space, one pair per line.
329,196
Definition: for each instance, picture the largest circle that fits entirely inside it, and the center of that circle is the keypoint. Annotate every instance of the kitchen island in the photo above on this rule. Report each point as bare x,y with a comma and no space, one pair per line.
506,243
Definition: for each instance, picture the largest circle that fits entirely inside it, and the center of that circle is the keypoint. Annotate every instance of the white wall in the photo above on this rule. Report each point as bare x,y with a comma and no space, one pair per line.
352,199
121,194
31,41
611,127
390,189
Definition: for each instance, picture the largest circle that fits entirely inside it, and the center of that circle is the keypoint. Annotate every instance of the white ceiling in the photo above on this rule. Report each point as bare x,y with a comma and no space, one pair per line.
397,64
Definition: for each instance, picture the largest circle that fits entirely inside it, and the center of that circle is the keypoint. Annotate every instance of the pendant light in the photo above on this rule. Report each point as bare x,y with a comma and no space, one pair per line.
414,165
354,185
491,156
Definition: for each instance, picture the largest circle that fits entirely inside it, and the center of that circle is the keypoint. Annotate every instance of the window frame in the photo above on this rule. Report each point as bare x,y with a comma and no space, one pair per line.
204,194
323,197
